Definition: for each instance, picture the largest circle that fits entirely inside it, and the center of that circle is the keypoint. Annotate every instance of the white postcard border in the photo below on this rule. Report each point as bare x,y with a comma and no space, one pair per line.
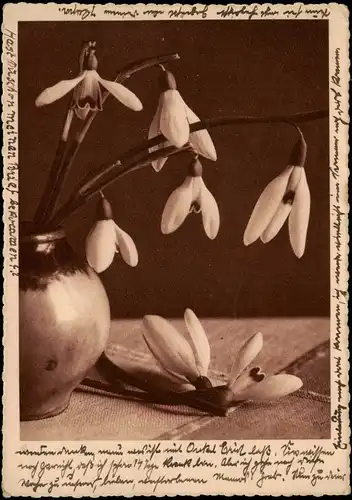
338,463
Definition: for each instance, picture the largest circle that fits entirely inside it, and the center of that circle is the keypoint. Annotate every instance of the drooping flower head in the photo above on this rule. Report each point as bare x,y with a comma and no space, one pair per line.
173,118
287,196
87,91
191,196
106,239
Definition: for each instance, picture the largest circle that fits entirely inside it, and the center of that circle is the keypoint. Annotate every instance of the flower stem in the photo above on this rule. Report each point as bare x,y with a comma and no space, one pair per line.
59,158
64,158
138,157
115,375
102,180
60,176
209,123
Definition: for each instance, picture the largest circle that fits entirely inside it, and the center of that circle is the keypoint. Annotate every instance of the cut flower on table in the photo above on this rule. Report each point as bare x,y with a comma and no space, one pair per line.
187,362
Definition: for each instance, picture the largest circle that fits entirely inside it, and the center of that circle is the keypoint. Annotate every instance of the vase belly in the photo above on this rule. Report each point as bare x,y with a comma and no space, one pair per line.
64,323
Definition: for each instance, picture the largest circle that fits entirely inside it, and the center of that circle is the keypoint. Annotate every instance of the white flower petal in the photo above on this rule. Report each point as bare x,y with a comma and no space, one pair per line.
199,341
154,130
294,179
276,222
246,379
177,207
266,206
122,94
200,140
210,212
82,113
100,245
158,164
299,217
245,356
126,247
87,95
173,118
203,144
272,387
172,376
169,347
58,90
197,186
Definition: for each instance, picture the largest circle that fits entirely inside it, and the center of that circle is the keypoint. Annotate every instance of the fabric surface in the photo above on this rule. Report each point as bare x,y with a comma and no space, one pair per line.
294,345
302,415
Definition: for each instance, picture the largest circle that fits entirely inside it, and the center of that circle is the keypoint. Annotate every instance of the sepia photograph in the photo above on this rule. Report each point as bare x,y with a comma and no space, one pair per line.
176,245
174,273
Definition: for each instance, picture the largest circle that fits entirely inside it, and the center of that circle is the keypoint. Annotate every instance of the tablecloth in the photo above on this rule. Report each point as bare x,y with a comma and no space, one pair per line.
293,345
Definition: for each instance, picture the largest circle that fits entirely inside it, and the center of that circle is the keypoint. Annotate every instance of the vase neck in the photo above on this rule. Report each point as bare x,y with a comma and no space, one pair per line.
45,256
29,232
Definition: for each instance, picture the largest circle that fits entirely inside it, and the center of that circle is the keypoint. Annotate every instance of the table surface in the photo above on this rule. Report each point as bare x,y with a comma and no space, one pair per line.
293,345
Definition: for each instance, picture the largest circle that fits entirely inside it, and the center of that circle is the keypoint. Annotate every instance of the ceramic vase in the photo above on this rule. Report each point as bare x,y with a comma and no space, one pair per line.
64,321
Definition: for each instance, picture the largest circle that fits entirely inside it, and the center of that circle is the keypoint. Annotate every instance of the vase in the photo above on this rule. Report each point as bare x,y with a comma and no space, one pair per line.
64,321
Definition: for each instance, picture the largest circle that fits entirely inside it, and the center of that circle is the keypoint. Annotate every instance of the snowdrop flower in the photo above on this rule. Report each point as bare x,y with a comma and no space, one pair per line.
87,92
287,196
173,118
185,362
191,196
188,362
251,384
106,238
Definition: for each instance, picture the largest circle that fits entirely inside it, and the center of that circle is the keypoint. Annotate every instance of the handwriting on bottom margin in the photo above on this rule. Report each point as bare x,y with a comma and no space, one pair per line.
153,467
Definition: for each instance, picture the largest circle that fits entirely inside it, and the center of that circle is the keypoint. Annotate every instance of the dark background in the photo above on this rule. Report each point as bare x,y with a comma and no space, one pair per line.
249,68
